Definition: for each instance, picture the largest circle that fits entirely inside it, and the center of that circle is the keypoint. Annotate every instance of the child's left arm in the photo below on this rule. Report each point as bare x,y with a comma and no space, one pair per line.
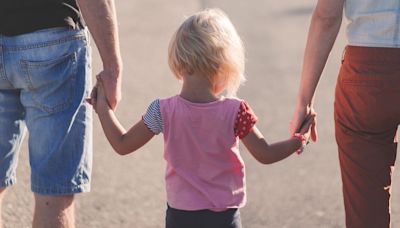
123,142
271,153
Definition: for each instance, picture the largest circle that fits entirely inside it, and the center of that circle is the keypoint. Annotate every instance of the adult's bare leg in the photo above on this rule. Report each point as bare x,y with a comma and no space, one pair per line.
2,193
54,212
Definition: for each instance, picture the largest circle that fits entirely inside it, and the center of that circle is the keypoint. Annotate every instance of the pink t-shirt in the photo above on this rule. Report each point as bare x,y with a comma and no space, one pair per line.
204,167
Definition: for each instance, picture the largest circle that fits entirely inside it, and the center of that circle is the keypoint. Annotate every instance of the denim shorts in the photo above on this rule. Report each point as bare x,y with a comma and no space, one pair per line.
44,78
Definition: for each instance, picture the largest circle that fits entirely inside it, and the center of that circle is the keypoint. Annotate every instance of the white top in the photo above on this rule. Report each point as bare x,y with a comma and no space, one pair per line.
373,23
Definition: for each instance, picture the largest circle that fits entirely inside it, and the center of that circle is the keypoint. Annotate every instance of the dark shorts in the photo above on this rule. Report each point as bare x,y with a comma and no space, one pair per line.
203,219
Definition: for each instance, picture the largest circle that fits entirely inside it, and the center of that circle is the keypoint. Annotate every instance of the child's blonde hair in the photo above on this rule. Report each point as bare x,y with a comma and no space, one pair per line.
207,44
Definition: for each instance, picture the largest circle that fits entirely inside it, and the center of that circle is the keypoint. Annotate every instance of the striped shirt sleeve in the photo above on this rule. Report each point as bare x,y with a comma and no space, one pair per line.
152,118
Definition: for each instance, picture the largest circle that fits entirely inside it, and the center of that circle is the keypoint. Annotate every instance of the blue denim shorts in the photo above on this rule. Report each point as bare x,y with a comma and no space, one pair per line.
44,78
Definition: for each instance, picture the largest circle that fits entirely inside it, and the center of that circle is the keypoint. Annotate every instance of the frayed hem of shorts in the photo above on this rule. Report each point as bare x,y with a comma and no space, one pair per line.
60,191
8,182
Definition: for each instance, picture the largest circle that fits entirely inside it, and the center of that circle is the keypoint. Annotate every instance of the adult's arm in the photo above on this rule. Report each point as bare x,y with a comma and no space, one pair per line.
324,27
100,17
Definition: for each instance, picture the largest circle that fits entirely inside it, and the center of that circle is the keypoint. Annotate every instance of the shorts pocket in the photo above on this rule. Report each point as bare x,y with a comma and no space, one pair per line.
363,83
355,76
52,82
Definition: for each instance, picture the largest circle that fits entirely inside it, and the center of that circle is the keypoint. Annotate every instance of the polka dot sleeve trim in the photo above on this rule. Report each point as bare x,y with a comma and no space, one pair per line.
245,120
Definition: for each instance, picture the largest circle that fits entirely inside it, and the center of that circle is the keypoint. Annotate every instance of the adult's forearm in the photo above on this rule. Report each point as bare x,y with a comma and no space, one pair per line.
321,37
100,17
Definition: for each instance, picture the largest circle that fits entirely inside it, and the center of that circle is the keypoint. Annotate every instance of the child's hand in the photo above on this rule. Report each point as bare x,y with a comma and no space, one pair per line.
299,117
100,102
93,96
305,131
97,97
307,124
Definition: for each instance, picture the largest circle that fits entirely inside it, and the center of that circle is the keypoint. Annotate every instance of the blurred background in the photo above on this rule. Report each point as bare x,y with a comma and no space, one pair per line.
299,192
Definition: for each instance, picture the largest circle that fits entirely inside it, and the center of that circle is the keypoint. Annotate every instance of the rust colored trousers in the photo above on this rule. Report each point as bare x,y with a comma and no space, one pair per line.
367,114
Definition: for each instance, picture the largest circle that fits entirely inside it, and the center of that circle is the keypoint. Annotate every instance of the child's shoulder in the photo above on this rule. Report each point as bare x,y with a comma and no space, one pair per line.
171,99
225,101
234,101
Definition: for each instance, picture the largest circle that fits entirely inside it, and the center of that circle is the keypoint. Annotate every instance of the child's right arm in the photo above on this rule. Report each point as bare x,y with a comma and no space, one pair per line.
123,142
270,153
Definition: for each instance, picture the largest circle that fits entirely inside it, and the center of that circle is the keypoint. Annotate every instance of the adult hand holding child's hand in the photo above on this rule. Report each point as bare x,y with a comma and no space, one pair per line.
301,118
100,103
308,126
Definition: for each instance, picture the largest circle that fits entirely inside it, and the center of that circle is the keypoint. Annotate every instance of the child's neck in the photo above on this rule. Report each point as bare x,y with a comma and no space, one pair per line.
197,89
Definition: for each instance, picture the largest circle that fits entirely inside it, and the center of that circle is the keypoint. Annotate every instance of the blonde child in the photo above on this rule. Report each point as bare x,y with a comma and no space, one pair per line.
205,175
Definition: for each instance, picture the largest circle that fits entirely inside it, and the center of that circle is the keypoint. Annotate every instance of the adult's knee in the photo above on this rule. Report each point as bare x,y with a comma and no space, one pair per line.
54,211
54,202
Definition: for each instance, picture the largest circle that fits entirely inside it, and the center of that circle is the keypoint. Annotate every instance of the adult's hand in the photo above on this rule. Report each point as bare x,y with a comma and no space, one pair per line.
111,86
300,115
101,19
111,81
324,27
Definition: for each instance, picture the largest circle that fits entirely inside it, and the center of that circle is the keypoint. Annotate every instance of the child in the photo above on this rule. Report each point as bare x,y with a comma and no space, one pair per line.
205,176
